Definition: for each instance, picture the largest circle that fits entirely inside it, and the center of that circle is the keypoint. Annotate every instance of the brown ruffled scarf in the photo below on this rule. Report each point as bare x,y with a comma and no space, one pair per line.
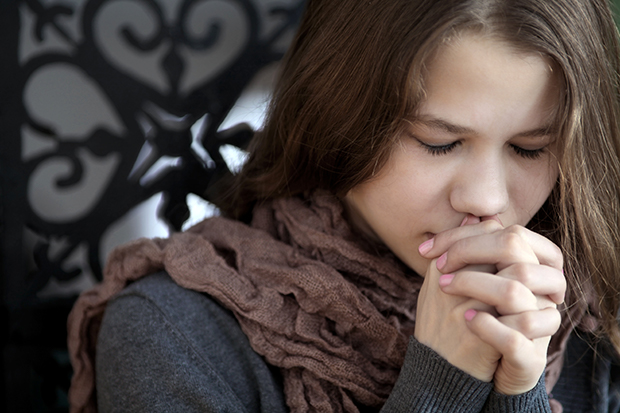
313,298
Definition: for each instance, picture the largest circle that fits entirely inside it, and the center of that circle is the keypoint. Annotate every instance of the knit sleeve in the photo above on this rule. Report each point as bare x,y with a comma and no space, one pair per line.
428,383
535,401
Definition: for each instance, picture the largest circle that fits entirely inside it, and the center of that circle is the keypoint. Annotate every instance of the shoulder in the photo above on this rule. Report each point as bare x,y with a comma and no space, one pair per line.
191,349
181,307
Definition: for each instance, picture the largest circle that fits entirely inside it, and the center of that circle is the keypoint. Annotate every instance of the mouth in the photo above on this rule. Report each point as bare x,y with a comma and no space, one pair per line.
429,235
494,217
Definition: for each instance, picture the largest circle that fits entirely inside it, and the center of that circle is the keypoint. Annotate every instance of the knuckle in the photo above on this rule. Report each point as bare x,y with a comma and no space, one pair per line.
512,291
544,302
511,240
557,251
513,342
527,324
556,317
458,248
557,258
563,285
491,226
522,272
517,230
443,238
482,321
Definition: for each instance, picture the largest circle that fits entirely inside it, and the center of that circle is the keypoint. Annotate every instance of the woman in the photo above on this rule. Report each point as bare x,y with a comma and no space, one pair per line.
432,177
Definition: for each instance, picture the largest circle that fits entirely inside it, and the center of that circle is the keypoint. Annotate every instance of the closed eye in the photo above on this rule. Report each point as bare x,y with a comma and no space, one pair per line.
528,153
438,150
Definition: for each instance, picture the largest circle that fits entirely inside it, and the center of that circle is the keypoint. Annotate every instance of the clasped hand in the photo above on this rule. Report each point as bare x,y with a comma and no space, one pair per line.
488,303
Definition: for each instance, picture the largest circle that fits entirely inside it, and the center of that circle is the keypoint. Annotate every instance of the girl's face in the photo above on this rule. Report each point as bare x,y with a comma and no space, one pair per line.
482,143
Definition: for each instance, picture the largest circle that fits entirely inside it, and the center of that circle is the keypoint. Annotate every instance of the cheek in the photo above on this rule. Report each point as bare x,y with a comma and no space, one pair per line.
529,197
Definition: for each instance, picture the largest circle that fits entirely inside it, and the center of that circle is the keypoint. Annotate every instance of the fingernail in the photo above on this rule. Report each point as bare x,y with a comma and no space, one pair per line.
446,279
426,246
470,314
464,220
441,261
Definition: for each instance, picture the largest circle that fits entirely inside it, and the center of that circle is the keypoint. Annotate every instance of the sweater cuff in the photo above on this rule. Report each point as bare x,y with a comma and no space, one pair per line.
428,383
535,401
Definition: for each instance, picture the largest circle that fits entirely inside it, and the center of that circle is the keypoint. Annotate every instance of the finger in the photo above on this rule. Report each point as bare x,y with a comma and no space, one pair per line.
514,346
440,243
523,360
502,248
542,280
508,296
546,251
534,324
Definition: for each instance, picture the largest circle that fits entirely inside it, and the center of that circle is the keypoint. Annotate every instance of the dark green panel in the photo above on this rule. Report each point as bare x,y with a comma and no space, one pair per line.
615,7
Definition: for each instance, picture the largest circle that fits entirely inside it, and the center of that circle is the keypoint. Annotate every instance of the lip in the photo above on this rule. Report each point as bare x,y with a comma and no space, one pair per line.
494,217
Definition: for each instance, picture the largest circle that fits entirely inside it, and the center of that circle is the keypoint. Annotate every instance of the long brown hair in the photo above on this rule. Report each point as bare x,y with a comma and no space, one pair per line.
354,74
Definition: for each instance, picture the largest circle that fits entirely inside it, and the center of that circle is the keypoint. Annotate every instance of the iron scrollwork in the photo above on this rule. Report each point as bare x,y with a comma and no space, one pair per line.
153,120
156,92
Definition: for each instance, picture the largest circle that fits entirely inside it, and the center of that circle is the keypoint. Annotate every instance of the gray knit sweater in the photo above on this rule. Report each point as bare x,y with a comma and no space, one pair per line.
163,348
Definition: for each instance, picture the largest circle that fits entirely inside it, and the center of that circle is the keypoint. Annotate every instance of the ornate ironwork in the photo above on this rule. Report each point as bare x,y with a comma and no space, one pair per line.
148,84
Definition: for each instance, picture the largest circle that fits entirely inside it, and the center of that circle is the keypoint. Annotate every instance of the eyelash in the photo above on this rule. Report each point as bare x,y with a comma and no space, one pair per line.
445,149
439,149
528,153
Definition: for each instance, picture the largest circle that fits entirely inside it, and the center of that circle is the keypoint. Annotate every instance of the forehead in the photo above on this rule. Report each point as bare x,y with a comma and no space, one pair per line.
477,78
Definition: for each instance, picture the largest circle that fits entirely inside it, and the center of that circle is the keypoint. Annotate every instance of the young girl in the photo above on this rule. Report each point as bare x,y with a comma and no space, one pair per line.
427,222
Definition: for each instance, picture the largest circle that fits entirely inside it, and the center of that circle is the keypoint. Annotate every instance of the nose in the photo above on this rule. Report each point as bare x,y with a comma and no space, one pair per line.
480,187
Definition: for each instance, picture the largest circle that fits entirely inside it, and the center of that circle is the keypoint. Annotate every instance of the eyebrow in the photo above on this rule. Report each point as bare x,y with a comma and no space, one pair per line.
437,123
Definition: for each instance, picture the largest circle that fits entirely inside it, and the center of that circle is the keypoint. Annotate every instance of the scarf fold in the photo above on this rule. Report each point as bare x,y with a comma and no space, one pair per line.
314,299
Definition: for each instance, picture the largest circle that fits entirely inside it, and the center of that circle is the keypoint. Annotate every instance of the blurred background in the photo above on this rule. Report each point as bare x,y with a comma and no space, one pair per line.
116,118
